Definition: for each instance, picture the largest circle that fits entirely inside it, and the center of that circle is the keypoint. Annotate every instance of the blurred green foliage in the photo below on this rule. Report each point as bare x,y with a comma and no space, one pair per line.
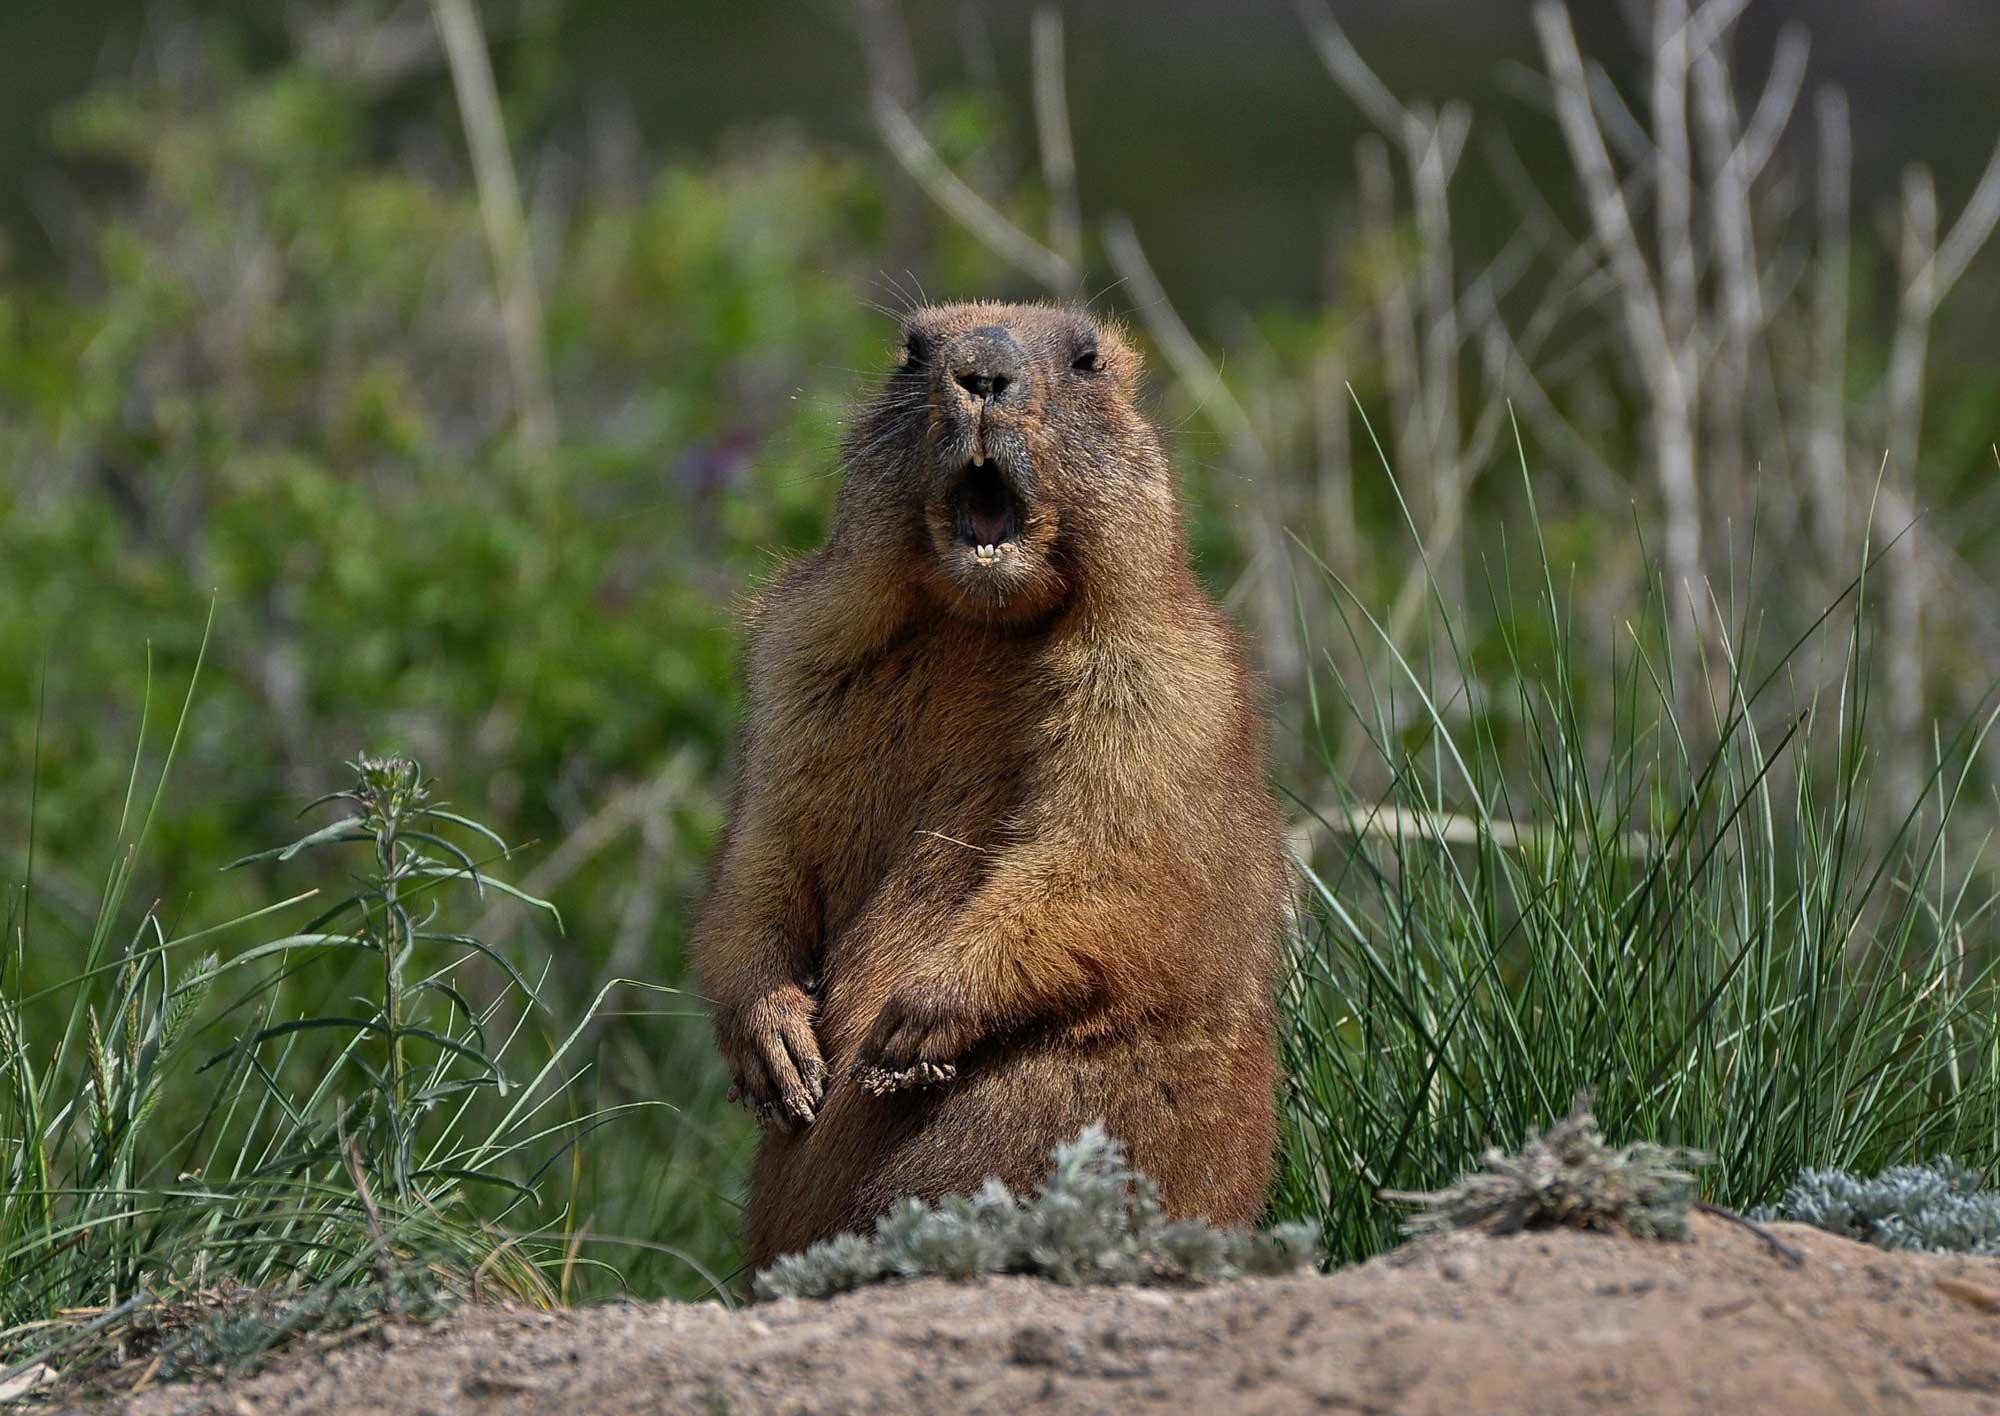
276,381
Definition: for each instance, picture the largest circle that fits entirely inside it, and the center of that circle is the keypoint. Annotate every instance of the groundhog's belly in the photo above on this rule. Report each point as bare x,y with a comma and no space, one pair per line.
1190,1111
915,776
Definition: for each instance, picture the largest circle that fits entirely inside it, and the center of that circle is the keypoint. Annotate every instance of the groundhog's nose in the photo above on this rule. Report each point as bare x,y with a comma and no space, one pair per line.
986,363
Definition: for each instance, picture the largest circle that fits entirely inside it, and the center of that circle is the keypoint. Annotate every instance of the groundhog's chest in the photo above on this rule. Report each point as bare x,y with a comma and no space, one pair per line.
912,754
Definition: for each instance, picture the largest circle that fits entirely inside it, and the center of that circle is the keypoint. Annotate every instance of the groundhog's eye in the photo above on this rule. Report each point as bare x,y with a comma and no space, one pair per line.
1085,361
916,349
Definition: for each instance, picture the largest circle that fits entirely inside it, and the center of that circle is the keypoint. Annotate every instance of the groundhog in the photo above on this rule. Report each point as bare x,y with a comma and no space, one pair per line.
1002,859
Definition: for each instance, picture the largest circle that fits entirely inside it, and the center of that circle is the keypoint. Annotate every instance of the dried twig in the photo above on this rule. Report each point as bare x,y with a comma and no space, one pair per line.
1395,312
913,151
506,225
1658,323
1336,465
885,47
1741,298
1929,269
1826,439
1184,354
1773,113
1971,231
1793,1257
1053,134
1424,364
629,807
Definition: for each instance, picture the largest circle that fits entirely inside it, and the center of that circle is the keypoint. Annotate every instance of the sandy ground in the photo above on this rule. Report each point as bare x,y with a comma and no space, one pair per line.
1562,1322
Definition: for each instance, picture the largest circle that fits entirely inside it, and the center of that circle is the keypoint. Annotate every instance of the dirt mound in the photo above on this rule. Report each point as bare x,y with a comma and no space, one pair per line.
1561,1322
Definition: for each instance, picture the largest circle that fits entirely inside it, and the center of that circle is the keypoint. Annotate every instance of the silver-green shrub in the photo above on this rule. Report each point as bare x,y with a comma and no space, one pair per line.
1095,1219
1942,1207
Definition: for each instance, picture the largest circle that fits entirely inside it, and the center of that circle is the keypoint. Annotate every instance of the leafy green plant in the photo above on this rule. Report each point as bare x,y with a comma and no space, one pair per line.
393,915
401,1169
1094,1220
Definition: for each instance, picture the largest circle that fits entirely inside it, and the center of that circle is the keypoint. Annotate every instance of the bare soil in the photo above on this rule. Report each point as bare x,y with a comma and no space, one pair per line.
1562,1322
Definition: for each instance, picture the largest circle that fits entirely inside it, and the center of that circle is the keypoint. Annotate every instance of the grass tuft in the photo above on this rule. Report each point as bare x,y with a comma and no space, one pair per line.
1531,882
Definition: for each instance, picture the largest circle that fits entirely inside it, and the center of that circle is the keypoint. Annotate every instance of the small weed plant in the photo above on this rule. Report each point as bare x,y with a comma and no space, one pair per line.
1567,1177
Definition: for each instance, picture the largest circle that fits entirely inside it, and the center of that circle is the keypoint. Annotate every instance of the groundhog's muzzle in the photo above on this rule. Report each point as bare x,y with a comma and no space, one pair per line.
985,384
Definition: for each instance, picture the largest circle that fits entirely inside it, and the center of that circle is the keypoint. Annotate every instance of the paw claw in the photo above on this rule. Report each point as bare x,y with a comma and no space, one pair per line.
878,1080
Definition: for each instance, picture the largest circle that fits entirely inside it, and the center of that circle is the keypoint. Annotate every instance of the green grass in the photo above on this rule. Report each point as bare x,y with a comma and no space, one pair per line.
1712,925
192,1173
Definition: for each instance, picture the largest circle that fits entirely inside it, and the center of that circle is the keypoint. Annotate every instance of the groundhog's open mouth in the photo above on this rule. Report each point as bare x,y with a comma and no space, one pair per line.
987,514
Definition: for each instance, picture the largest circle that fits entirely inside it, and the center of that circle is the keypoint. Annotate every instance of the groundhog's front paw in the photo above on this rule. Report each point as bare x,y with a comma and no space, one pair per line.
912,1044
774,1057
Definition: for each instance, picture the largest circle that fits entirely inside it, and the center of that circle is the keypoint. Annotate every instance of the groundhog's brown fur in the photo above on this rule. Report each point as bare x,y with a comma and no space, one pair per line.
1002,859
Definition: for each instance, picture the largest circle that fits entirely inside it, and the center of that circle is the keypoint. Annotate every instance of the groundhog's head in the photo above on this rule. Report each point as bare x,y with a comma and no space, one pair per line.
1007,449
